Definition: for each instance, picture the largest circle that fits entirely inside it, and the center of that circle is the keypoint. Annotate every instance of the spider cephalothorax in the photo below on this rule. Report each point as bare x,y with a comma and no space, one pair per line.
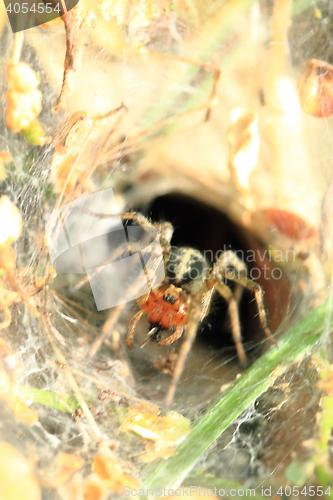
166,307
187,268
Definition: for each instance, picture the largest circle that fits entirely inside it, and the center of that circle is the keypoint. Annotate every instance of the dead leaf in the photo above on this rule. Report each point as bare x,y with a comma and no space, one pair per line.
166,432
288,223
111,474
315,88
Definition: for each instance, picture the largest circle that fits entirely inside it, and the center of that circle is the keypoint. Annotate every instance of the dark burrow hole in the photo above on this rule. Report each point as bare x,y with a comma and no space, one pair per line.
213,360
206,229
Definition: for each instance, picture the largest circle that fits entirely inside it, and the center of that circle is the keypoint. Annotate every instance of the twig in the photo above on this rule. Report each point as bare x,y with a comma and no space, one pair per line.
18,43
70,20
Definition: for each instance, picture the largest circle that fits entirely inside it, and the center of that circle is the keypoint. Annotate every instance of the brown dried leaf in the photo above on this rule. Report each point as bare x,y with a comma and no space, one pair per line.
111,474
94,488
71,22
315,88
166,431
289,224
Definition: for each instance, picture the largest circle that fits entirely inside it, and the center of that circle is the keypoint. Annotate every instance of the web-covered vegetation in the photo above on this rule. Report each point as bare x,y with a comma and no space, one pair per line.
128,111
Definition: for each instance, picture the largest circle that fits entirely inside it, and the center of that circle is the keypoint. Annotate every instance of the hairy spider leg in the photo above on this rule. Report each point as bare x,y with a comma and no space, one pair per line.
134,247
165,231
226,266
215,282
227,294
167,341
110,323
131,329
172,338
194,315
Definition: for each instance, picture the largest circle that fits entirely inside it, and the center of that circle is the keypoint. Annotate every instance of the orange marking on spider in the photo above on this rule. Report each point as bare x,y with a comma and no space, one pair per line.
166,307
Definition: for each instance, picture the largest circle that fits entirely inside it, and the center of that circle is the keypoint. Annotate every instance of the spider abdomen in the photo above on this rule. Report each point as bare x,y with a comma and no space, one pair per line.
165,306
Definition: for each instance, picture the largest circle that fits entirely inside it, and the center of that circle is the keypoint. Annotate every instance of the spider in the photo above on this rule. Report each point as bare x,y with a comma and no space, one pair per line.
183,299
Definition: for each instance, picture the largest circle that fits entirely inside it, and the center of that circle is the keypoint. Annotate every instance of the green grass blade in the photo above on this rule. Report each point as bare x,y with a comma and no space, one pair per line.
67,404
295,343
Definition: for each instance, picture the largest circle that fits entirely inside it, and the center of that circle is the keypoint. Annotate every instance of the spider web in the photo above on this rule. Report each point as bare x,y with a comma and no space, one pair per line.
268,443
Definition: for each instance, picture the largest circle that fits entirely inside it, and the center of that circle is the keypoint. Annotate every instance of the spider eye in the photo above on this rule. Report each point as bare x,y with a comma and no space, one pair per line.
169,298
